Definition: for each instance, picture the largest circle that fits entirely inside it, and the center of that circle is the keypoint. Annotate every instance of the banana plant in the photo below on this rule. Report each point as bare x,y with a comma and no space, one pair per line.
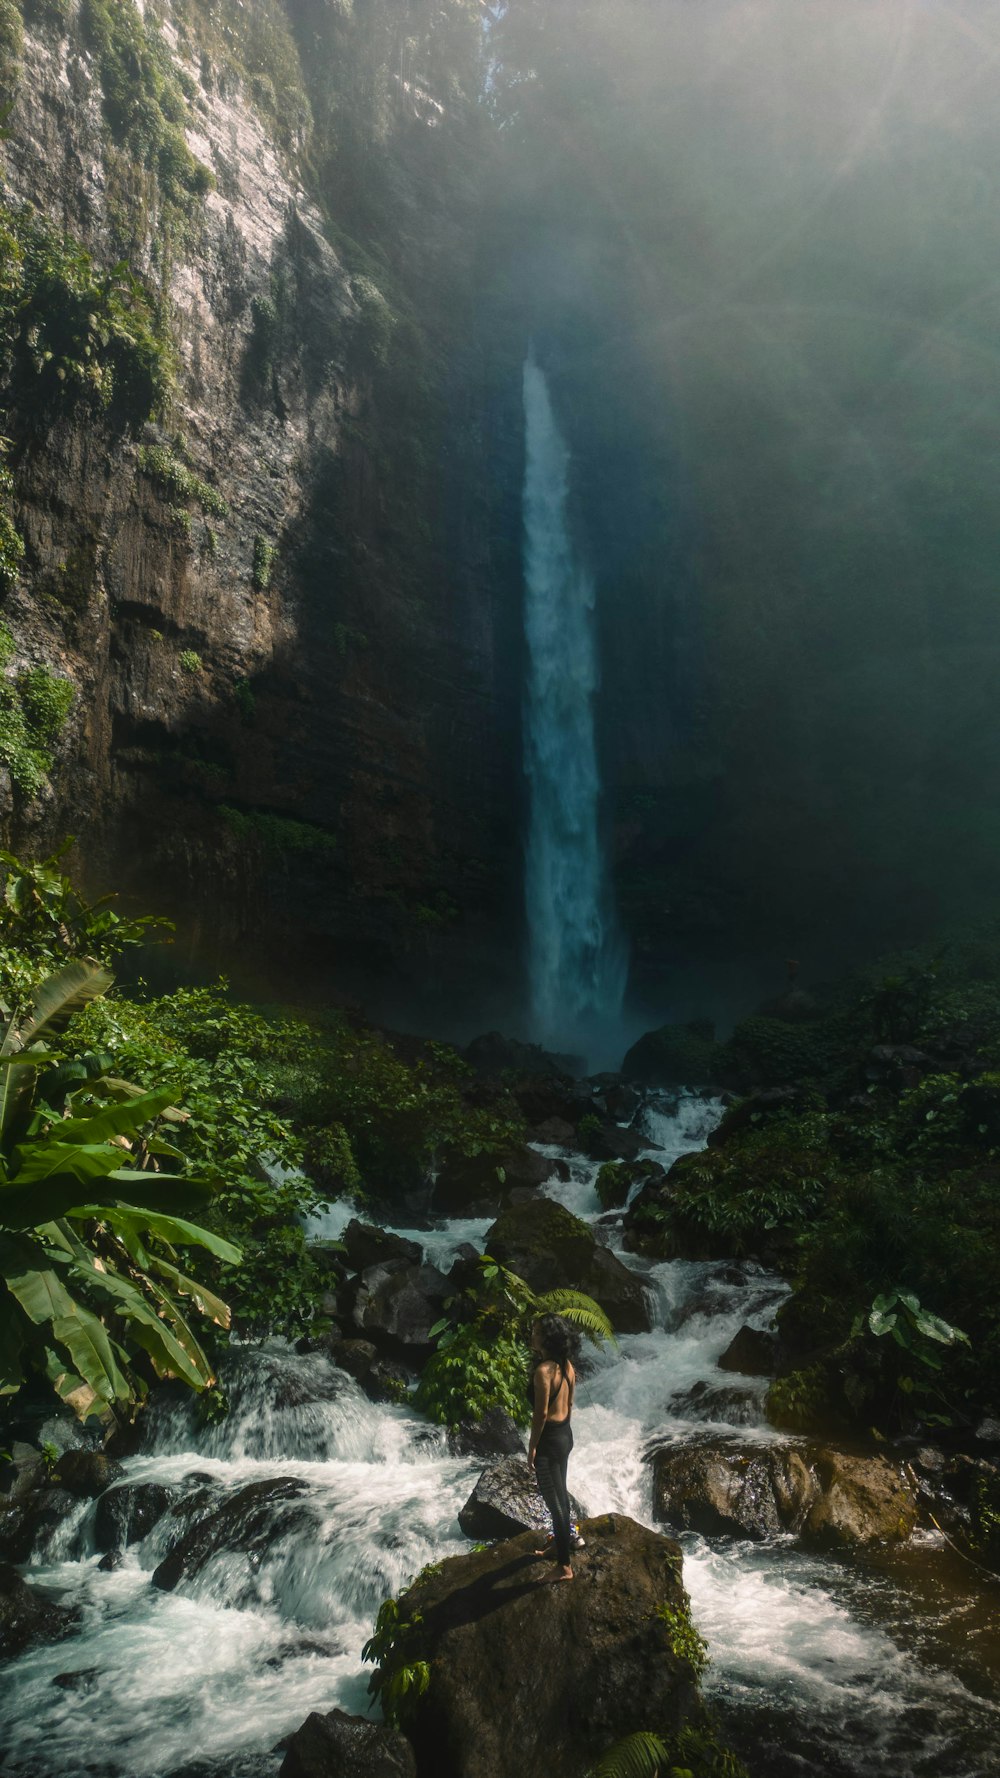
89,1224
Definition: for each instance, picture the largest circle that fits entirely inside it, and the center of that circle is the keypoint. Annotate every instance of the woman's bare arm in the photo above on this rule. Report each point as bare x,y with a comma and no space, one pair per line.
543,1379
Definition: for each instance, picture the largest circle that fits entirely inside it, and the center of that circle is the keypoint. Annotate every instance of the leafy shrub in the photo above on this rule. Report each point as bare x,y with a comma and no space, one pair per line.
11,38
481,1361
189,661
399,1674
11,541
33,710
686,1643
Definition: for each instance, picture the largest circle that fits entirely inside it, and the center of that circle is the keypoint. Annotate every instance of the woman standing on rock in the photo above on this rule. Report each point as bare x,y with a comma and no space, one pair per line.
554,1346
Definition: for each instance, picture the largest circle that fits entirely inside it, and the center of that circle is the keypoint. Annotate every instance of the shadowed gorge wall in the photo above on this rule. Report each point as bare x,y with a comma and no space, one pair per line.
288,596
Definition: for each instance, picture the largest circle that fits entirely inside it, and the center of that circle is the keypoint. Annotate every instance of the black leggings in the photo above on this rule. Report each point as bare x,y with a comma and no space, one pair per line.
551,1459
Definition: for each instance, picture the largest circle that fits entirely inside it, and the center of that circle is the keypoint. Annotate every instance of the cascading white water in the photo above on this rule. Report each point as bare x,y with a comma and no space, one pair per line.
819,1667
577,960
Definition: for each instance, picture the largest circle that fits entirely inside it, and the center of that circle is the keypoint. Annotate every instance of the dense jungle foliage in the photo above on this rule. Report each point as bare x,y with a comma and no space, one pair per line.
260,1117
864,1161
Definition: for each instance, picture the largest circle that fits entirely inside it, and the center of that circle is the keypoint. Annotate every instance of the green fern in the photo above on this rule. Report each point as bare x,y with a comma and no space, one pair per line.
641,1755
582,1310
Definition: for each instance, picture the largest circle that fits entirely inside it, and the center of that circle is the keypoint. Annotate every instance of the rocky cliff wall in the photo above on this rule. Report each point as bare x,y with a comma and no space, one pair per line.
287,601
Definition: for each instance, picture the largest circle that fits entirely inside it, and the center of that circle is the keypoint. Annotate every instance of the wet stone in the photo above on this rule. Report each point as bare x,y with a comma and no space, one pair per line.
496,1434
126,1515
342,1746
28,1615
87,1473
505,1501
249,1521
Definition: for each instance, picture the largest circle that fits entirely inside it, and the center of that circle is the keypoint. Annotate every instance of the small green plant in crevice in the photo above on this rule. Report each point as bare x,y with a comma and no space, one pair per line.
177,482
245,701
262,564
189,661
11,42
33,711
400,1675
277,834
686,1643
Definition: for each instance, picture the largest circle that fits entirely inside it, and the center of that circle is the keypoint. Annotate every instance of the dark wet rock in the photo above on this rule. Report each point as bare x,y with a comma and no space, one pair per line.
28,1615
342,1746
110,1561
496,1434
381,1379
623,1101
82,1680
750,1352
531,1678
395,1306
328,1257
478,1184
618,1178
22,1469
365,1245
988,1432
896,1065
87,1473
505,1500
556,1132
248,1520
730,1406
732,1490
551,1249
464,1272
612,1143
540,1099
674,1055
861,1500
126,1515
27,1523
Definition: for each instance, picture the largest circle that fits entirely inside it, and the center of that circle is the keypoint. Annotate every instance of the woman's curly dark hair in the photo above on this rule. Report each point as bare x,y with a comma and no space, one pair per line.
560,1339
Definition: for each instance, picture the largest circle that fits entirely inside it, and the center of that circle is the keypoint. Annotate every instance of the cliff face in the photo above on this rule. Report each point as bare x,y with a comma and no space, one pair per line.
287,601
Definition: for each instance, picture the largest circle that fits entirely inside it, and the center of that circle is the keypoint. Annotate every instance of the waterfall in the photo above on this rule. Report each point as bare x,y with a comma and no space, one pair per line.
577,961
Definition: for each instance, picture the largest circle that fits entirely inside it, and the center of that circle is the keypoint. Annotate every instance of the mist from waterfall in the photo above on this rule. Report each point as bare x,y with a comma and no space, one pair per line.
577,958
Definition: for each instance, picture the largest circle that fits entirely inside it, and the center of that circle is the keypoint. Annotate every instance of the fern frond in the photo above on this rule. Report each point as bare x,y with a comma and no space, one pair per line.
581,1310
641,1755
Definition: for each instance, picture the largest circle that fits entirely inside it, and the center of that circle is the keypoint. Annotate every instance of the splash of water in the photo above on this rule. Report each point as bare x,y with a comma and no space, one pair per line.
577,959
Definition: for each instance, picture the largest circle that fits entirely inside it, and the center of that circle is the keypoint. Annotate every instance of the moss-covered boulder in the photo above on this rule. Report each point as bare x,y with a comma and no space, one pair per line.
531,1677
675,1056
551,1249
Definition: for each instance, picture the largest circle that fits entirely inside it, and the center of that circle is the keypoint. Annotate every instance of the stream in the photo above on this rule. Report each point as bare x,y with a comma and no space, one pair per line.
884,1667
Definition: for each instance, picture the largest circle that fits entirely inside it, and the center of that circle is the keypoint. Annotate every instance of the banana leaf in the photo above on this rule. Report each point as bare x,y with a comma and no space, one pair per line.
46,1301
28,1206
122,1119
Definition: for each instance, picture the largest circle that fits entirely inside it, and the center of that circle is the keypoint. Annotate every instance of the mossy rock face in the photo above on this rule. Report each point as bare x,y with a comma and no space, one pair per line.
552,1250
770,1052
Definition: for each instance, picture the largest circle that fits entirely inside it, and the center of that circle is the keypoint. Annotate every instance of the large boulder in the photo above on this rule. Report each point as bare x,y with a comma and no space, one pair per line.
731,1490
381,1379
551,1249
674,1055
505,1500
395,1305
862,1500
493,1055
495,1434
249,1520
28,1615
87,1473
831,1499
750,1352
366,1245
342,1746
127,1515
529,1677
